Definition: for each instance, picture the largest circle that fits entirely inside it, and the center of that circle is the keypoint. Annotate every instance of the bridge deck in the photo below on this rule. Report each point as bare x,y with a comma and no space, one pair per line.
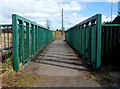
61,64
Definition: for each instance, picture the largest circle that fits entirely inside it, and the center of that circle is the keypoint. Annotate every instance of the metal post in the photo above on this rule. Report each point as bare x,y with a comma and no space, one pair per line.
28,39
62,21
99,25
33,40
15,44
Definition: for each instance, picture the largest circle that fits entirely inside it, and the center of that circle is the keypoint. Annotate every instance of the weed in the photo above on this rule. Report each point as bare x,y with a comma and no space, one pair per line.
108,78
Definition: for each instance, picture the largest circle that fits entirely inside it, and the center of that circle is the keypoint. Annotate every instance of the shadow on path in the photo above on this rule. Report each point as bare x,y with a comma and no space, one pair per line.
53,64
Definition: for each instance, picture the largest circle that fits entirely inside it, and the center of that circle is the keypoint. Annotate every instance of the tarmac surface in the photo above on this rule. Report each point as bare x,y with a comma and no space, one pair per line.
62,67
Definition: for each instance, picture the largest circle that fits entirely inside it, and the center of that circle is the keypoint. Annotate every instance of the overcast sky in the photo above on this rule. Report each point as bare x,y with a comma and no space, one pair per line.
39,11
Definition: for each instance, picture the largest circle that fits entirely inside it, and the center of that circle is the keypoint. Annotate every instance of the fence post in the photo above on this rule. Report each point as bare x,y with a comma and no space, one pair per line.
99,24
1,43
15,44
33,39
36,39
22,41
93,42
86,39
28,38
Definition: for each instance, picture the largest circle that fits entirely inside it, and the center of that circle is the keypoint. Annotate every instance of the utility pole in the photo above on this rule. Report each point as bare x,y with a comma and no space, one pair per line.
62,21
48,24
111,9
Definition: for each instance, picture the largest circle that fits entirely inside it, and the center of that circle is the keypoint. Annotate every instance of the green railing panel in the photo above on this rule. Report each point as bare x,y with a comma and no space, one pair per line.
87,41
110,37
15,44
99,27
93,44
31,38
86,38
94,40
110,44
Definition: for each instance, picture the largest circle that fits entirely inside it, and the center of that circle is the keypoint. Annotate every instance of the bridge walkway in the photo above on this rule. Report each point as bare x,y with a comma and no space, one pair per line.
62,66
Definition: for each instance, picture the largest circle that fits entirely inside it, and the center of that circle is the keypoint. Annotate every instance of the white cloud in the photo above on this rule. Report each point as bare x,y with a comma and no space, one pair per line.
112,1
37,15
98,0
92,0
40,10
73,20
42,23
107,19
0,12
37,9
72,6
74,14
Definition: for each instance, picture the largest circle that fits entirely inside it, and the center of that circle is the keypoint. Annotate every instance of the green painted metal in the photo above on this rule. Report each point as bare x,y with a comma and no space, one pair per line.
28,39
15,43
32,38
111,25
23,48
93,40
110,38
33,41
99,27
93,44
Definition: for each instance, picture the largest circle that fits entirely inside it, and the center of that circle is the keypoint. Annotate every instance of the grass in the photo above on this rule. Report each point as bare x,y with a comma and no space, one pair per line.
10,78
20,79
7,67
102,76
107,78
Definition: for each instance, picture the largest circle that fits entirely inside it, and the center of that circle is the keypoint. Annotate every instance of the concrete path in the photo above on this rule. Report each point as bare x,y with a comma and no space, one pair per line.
62,67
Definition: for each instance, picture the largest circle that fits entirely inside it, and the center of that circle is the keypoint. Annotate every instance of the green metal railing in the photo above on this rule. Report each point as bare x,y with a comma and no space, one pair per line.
22,40
6,42
28,39
110,37
86,37
110,44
